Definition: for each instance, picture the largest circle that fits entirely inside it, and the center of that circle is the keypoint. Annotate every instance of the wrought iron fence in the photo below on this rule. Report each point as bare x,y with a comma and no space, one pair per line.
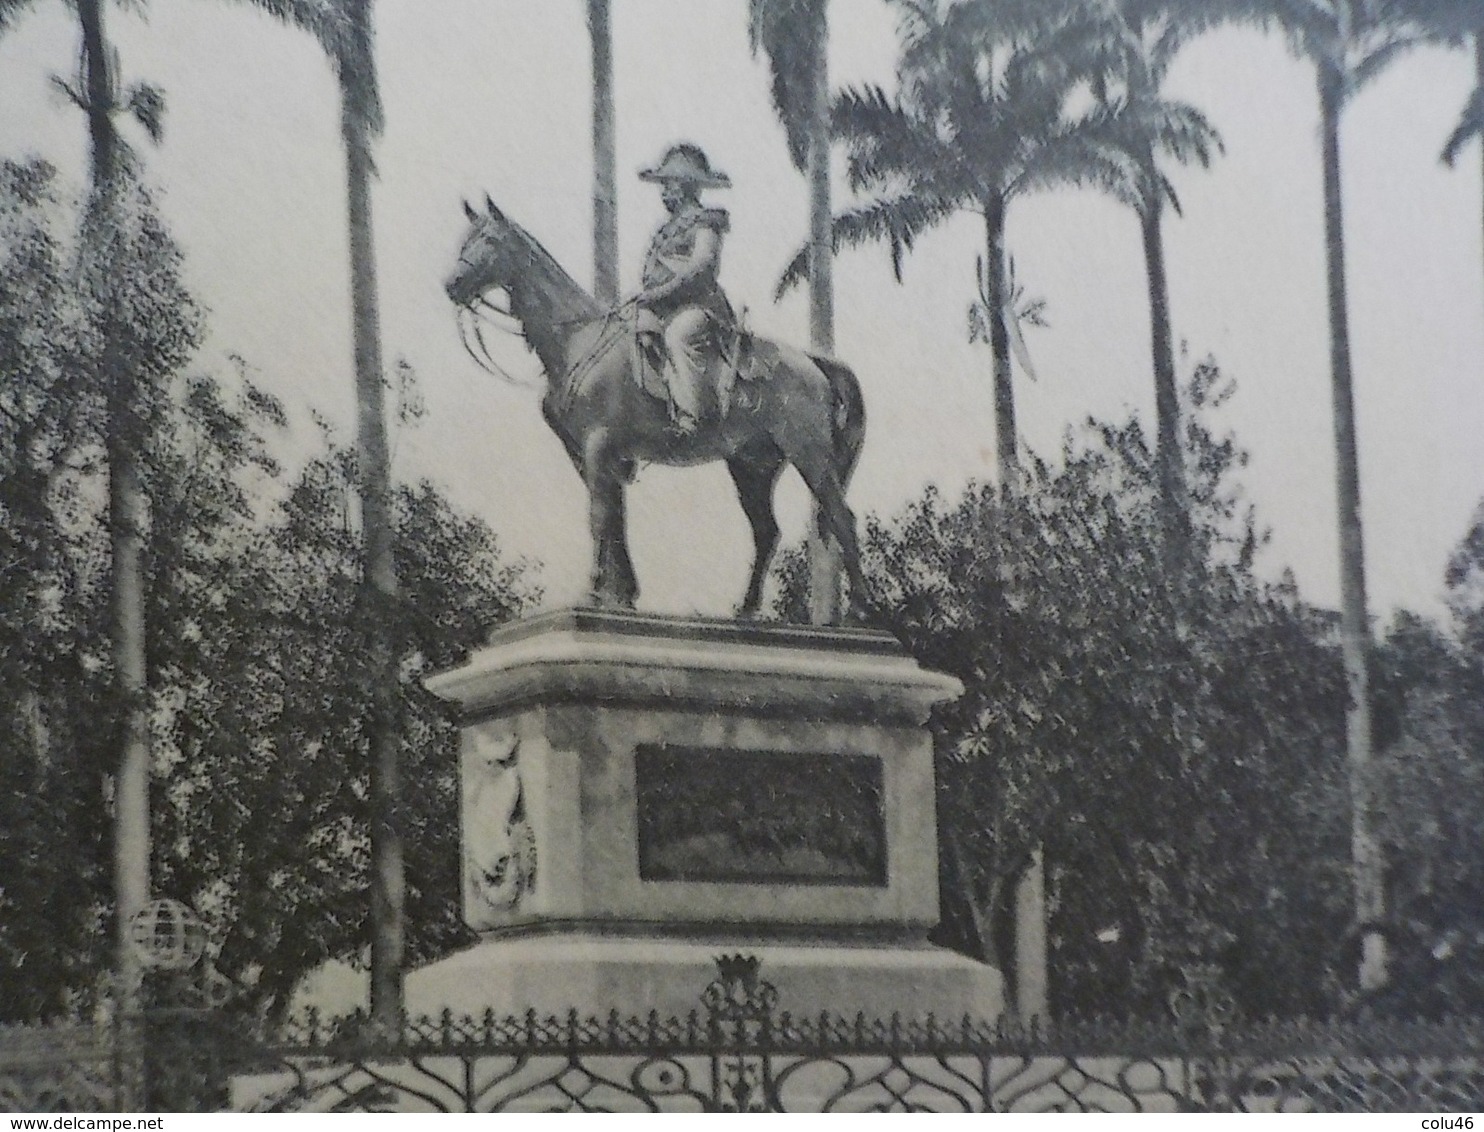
737,1052
64,1067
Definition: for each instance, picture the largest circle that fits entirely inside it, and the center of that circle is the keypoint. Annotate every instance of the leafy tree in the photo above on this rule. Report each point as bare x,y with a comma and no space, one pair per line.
51,425
267,810
1432,780
114,293
1176,749
257,693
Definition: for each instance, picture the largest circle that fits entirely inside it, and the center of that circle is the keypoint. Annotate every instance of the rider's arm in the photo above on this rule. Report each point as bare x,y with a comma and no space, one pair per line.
703,260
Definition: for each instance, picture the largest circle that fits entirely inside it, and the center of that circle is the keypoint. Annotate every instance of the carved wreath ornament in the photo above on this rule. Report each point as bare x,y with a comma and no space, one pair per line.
499,842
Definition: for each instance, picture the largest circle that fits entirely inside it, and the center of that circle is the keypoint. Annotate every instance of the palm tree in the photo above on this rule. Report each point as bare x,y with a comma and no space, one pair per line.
1349,43
344,31
605,177
128,510
795,36
97,93
1142,39
979,121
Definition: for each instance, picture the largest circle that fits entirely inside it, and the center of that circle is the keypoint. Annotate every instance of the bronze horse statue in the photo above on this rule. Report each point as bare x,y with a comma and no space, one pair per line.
788,407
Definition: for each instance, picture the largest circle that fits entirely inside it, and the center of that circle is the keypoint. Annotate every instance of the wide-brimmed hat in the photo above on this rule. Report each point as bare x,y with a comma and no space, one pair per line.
686,162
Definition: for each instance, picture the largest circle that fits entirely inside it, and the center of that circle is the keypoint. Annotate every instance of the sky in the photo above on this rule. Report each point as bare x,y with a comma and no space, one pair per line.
491,96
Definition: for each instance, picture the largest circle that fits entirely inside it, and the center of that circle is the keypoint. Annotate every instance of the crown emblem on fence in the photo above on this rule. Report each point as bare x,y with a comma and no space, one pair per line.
739,993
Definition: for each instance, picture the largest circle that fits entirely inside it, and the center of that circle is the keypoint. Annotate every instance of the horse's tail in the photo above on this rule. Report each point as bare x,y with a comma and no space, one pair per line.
849,419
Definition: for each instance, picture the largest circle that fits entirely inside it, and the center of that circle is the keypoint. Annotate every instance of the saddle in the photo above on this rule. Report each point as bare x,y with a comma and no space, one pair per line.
737,358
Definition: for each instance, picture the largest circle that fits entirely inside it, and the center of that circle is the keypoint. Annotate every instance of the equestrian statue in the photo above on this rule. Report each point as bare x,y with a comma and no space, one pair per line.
668,377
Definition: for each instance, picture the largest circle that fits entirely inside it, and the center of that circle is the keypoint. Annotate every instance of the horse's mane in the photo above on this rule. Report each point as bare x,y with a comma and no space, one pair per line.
571,298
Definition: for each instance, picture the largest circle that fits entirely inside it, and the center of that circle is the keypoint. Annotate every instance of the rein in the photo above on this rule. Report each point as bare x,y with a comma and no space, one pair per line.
478,312
482,356
579,372
483,313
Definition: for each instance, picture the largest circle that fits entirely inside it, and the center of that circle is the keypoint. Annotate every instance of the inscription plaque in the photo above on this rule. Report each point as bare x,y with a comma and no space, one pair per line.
713,814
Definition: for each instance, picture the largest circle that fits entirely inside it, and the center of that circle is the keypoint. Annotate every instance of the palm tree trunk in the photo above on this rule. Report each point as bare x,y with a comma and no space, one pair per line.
999,342
821,238
1479,85
825,565
1028,901
388,883
1168,458
128,514
605,178
1032,978
1366,860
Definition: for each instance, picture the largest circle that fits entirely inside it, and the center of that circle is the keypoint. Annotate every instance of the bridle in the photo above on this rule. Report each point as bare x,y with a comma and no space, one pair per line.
474,316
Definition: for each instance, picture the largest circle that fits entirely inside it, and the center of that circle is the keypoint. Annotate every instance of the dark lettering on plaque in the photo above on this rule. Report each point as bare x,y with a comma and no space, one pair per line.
712,814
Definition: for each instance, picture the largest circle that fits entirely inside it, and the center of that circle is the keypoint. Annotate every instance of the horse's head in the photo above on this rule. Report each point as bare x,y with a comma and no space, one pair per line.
487,257
544,304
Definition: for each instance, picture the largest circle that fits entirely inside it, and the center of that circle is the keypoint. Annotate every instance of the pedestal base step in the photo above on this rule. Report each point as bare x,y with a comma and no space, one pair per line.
595,974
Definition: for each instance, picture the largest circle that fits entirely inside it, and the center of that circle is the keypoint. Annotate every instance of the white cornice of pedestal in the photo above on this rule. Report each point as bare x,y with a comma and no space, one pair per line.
624,659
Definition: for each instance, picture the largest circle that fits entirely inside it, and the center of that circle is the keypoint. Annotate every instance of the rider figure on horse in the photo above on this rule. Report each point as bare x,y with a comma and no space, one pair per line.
681,301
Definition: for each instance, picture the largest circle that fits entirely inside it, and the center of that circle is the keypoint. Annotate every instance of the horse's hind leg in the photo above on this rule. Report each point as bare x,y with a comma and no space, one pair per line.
755,471
818,472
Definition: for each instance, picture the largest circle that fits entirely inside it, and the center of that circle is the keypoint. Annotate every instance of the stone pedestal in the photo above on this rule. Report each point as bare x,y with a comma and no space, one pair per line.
642,794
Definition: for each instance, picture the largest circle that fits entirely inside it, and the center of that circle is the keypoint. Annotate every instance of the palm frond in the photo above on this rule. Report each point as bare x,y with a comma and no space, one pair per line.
789,33
982,22
1454,20
146,103
327,20
916,20
1178,130
1076,164
886,143
1470,125
1166,190
10,9
1169,38
351,53
72,93
1311,28
896,221
1037,79
1386,46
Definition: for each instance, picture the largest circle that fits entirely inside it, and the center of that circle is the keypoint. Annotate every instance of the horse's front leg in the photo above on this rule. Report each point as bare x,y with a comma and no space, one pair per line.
755,471
613,580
